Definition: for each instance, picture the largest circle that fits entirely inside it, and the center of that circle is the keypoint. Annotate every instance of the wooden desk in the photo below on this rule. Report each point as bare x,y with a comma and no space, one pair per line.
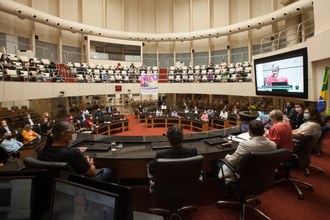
216,122
109,128
192,124
131,160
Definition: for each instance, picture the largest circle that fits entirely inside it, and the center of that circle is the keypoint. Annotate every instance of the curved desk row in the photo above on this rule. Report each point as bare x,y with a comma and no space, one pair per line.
113,126
130,161
191,124
186,122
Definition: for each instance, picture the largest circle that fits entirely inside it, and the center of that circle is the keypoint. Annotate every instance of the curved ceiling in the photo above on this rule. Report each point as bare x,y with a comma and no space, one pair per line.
32,14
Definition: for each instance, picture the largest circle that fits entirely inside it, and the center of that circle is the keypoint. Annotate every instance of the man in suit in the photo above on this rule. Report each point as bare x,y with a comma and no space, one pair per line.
4,128
257,143
174,135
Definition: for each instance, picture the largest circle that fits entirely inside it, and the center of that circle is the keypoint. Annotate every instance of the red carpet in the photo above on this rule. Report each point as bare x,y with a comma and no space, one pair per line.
140,129
281,202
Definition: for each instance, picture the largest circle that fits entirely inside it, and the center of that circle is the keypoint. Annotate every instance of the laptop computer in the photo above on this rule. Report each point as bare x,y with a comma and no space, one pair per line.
215,140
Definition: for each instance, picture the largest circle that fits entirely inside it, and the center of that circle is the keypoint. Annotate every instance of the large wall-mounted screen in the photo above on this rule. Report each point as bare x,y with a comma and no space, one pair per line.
284,74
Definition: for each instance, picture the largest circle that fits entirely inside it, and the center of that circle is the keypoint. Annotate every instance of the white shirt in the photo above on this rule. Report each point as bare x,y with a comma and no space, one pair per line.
223,115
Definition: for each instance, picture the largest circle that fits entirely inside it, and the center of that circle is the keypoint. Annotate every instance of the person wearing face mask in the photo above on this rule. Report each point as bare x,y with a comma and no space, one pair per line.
312,123
57,149
299,116
205,116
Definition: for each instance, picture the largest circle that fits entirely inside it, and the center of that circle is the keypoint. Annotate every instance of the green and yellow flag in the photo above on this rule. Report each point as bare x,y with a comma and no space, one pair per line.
322,103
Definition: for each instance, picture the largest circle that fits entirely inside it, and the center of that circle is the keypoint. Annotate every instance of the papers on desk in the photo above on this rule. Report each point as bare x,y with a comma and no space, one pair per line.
242,137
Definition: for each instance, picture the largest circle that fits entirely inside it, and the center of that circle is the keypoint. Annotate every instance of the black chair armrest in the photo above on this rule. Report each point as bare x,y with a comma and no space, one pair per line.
232,168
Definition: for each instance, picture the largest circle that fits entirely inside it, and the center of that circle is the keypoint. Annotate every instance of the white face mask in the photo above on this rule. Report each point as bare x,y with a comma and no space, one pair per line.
74,137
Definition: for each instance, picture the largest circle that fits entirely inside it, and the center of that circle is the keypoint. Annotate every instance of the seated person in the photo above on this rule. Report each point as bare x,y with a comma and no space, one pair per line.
99,115
257,143
312,123
195,110
234,111
10,144
28,134
159,112
163,106
77,125
69,118
174,114
210,112
174,135
45,123
223,114
186,110
6,62
57,149
28,120
280,132
90,124
298,117
205,116
275,77
4,128
140,109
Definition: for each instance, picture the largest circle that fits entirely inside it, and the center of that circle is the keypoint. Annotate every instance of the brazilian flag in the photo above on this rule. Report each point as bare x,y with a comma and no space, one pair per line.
322,104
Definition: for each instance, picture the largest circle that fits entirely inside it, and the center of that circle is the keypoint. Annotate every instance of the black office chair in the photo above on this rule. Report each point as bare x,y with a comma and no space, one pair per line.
324,132
176,183
255,174
53,168
4,156
301,158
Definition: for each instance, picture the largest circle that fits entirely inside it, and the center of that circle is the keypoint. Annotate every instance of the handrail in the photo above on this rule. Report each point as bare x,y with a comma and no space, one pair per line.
278,35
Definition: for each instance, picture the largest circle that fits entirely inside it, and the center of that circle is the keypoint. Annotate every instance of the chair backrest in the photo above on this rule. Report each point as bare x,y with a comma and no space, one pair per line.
324,132
257,171
177,181
304,150
54,168
4,156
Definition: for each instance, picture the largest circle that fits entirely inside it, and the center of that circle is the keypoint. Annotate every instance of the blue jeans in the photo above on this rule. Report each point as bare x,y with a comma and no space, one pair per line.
105,174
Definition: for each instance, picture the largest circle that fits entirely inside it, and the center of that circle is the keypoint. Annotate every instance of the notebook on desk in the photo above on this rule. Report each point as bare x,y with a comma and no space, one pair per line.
160,145
215,140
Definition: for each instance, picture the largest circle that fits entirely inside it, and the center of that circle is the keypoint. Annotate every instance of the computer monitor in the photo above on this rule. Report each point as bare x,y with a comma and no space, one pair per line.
23,194
244,127
124,203
16,197
75,201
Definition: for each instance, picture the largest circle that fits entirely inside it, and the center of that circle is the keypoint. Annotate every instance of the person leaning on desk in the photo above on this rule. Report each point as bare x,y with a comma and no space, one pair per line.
57,149
257,143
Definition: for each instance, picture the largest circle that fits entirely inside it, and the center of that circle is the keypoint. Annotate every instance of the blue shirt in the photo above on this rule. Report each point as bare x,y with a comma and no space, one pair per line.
11,145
